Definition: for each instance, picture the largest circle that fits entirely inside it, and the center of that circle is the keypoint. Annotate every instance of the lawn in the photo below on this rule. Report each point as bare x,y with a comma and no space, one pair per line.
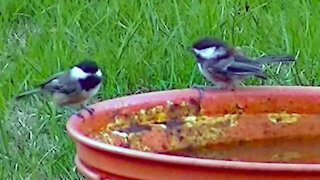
140,46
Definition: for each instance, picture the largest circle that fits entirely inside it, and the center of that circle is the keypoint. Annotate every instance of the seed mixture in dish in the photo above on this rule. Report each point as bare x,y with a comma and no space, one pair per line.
173,126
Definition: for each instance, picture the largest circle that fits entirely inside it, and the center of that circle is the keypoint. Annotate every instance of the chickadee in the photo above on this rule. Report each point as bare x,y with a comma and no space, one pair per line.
72,87
224,66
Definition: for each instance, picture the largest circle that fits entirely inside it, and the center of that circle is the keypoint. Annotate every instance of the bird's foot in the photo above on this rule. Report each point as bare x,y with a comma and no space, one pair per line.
217,87
76,113
79,115
230,87
200,88
89,109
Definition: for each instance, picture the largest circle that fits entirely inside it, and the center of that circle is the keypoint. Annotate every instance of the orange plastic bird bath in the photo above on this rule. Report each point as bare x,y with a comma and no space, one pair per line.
97,160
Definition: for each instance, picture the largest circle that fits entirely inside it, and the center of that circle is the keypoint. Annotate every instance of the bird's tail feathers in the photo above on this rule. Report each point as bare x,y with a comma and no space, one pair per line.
260,75
27,93
276,59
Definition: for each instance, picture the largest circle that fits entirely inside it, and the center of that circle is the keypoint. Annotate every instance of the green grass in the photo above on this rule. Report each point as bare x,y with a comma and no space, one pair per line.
141,46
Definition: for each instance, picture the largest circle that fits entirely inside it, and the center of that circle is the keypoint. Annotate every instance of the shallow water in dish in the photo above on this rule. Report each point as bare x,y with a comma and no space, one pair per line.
296,150
301,148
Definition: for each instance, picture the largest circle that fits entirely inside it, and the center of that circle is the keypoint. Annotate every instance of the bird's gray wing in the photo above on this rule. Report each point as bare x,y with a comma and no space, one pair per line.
237,65
218,69
61,83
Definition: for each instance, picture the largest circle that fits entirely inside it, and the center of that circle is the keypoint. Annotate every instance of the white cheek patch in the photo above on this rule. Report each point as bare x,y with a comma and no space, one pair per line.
99,73
78,73
211,52
206,53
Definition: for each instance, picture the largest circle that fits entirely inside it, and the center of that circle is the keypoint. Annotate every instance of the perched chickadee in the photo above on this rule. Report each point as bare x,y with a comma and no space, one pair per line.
224,66
72,87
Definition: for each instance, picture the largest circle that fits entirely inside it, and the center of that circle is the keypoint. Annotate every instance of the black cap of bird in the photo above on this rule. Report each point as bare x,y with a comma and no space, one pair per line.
222,65
72,87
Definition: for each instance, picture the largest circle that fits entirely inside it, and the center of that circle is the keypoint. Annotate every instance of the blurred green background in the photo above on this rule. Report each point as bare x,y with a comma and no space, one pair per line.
140,46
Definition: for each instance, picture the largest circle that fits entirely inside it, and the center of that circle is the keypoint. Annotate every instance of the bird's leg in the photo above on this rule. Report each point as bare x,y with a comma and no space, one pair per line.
74,112
200,88
89,109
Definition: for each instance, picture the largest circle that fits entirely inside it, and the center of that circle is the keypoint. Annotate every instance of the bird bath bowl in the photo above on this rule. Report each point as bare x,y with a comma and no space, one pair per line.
276,137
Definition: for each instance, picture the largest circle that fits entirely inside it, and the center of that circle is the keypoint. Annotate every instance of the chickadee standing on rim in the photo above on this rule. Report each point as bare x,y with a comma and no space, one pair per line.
72,87
224,66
